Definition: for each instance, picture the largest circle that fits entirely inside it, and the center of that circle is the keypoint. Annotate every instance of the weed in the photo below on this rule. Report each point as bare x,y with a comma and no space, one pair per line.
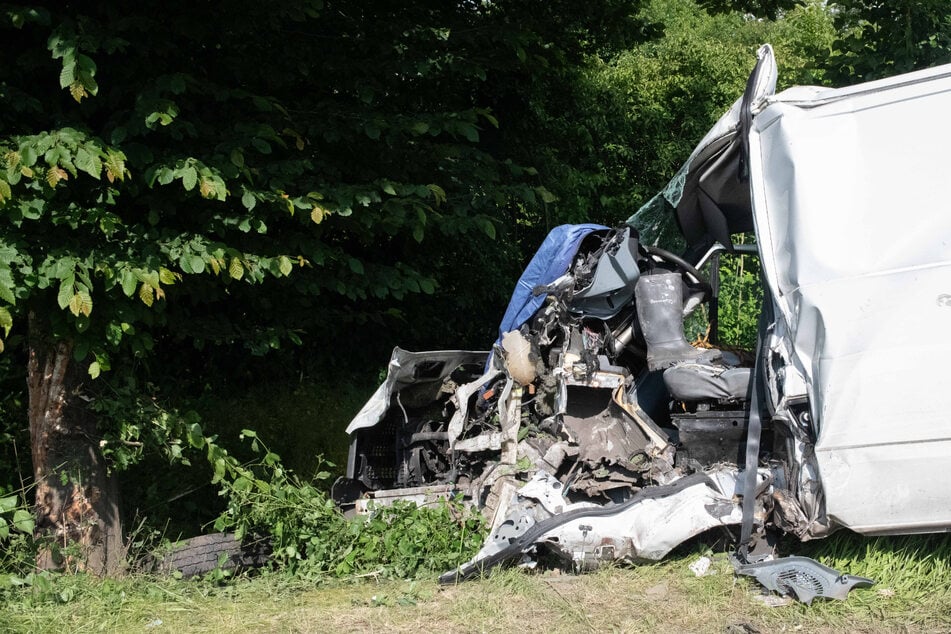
312,538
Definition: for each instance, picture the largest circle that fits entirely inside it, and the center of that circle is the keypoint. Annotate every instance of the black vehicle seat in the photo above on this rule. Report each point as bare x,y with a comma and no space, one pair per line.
690,381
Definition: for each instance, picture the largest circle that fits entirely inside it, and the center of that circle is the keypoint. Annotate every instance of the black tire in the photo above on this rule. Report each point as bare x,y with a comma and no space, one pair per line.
199,555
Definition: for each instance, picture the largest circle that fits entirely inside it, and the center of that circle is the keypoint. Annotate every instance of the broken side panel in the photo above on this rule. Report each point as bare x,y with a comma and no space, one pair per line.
849,190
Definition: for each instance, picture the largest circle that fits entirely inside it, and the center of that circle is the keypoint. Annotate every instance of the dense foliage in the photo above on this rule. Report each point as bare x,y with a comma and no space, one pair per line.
163,177
878,39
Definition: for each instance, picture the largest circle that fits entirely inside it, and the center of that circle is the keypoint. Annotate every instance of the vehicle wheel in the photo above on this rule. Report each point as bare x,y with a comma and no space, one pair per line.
202,554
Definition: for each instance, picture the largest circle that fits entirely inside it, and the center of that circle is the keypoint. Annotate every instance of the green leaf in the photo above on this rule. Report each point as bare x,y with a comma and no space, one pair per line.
261,145
248,200
147,294
23,521
87,162
195,436
241,484
5,193
189,178
219,475
164,175
197,263
86,64
356,266
67,75
27,156
237,158
7,295
94,370
66,291
285,265
488,227
261,103
471,133
236,269
490,118
439,194
8,503
128,280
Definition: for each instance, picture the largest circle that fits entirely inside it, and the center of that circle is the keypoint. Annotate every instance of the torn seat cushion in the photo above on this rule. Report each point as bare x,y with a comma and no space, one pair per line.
703,382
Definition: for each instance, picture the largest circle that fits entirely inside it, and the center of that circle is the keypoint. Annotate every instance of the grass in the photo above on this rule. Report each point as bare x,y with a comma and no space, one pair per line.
913,594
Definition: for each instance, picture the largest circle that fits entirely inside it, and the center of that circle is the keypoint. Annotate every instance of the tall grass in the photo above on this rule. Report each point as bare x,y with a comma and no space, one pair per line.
912,575
912,594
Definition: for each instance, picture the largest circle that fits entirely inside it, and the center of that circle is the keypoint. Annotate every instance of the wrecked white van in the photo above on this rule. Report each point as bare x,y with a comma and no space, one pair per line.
592,431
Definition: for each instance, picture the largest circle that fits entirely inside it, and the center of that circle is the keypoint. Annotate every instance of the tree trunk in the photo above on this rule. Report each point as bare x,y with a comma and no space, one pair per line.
77,501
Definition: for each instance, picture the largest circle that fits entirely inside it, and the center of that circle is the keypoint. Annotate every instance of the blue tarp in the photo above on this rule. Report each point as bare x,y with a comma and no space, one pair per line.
550,262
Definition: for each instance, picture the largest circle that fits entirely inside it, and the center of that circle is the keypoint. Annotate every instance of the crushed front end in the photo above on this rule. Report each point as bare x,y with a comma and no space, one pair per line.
592,431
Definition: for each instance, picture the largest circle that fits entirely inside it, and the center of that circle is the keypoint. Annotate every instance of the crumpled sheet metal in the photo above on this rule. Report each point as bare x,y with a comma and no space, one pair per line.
647,527
603,431
401,372
461,401
803,578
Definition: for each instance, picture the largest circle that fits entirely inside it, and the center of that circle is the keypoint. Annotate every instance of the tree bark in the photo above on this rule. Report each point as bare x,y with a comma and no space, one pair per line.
77,501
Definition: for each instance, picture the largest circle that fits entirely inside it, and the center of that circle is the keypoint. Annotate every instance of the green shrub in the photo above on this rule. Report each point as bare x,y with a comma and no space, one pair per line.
312,538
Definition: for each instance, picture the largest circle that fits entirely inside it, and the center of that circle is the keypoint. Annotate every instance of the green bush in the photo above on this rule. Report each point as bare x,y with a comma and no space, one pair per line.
312,538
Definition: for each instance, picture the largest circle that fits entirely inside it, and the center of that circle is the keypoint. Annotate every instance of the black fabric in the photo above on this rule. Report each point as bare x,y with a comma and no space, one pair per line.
701,382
